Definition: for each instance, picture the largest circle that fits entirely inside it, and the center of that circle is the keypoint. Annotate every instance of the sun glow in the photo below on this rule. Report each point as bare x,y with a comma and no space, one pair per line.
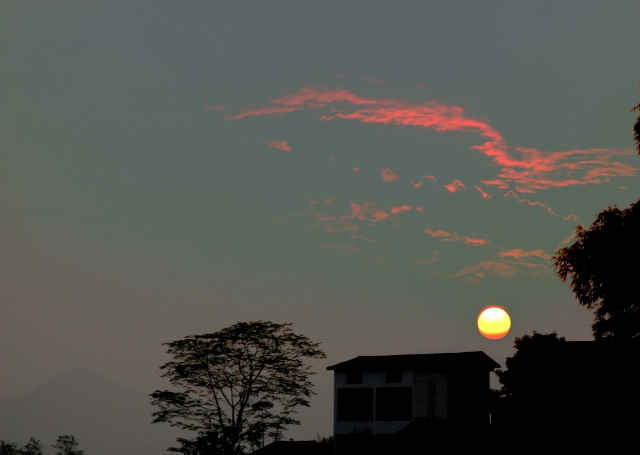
494,322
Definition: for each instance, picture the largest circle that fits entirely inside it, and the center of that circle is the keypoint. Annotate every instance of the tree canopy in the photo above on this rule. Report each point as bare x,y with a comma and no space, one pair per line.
67,445
32,447
553,383
604,266
241,384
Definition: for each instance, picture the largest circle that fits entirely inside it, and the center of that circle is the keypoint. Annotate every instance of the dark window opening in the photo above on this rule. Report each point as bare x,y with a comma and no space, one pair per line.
354,377
393,403
355,404
393,376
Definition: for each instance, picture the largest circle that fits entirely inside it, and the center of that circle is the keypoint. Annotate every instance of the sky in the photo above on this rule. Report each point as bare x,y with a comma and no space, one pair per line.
375,173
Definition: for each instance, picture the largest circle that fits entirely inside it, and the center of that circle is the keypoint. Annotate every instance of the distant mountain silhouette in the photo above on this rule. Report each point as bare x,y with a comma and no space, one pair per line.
106,418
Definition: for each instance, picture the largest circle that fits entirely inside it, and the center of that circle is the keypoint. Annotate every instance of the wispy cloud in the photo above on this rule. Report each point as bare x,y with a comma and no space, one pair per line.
483,269
387,175
527,170
271,110
455,186
280,145
543,206
428,261
483,193
329,216
517,253
400,209
444,236
419,183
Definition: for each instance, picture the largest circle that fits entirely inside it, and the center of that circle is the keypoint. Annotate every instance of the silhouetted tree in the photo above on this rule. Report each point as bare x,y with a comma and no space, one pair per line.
604,265
67,445
203,444
241,383
550,383
9,448
533,384
33,447
527,365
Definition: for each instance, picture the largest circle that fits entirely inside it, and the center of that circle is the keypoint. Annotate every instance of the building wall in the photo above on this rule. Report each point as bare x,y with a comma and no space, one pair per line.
423,382
468,397
420,383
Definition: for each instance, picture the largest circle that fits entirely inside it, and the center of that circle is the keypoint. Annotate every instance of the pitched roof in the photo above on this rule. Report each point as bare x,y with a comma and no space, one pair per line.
444,361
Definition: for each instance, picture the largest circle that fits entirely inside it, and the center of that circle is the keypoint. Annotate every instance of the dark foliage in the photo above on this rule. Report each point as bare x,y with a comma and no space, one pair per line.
9,448
550,382
203,444
67,445
242,384
526,369
604,266
32,447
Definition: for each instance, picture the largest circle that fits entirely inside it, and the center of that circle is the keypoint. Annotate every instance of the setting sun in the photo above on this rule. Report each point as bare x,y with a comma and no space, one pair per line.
494,322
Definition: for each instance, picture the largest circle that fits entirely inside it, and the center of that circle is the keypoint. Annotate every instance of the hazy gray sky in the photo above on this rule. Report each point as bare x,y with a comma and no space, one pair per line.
374,172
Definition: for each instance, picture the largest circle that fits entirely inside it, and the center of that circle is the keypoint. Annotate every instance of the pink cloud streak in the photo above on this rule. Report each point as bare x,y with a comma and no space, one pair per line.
280,145
444,236
387,175
455,186
528,170
517,253
543,206
481,269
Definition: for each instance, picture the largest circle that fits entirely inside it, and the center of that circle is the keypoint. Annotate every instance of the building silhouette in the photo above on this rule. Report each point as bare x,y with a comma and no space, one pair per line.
378,396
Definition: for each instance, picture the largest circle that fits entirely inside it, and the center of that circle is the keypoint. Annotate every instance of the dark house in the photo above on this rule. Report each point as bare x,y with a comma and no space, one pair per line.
381,395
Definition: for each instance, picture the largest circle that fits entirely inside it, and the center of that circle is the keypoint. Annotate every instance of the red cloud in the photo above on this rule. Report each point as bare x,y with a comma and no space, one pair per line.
436,234
280,145
571,237
481,269
400,209
528,170
455,186
545,207
482,192
445,236
272,110
519,254
428,261
429,177
474,242
388,175
324,214
380,215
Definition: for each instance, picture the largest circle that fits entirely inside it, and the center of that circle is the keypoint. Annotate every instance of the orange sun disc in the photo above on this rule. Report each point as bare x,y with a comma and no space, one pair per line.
494,322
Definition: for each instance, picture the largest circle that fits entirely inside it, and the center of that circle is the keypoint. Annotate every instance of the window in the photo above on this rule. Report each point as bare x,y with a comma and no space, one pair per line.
355,404
354,377
393,403
393,376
